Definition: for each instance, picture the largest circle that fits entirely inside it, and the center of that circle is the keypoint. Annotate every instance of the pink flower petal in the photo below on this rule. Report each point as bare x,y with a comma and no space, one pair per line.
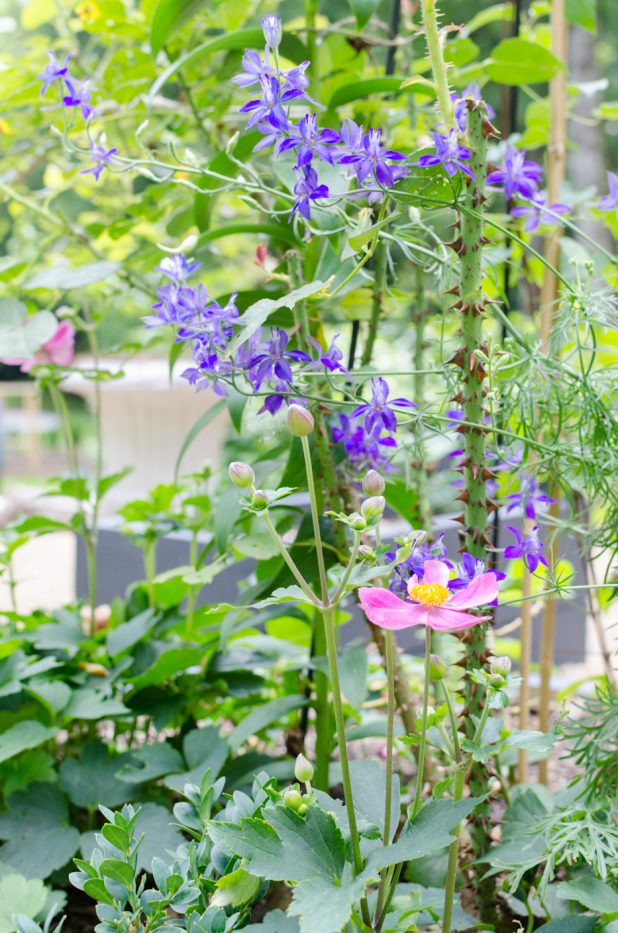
442,619
435,571
479,592
386,610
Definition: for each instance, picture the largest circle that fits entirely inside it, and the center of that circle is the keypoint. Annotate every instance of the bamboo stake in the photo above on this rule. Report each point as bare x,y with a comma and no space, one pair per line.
549,296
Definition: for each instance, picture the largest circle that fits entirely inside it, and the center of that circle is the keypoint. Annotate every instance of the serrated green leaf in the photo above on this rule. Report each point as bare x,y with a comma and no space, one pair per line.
90,780
516,61
591,893
36,825
258,313
22,736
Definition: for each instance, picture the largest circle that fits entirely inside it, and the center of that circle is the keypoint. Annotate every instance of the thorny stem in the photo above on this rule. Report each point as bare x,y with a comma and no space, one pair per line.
438,65
377,301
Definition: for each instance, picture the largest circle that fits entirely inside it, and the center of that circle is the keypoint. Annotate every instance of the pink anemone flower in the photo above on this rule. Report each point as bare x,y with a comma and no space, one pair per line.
57,351
430,601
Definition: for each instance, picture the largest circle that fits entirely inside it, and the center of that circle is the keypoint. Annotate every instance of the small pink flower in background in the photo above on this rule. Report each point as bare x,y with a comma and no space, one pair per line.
430,601
57,351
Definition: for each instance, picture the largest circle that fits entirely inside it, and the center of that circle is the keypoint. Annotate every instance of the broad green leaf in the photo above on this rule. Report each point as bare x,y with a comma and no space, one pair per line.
430,831
129,633
36,825
369,789
591,893
258,313
117,870
582,13
22,334
65,277
150,762
90,703
272,230
288,847
91,780
361,90
20,895
353,666
324,906
264,716
363,10
461,51
161,836
516,61
358,240
532,740
202,422
22,770
169,664
168,17
275,921
577,924
235,889
53,694
498,13
204,750
23,735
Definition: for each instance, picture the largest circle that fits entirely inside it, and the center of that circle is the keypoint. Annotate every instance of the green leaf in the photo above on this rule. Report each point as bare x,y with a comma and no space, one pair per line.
532,740
91,780
461,52
65,277
264,716
582,13
322,906
53,694
430,831
160,834
23,735
498,13
275,921
516,61
168,665
96,889
22,334
150,762
129,633
579,924
90,703
353,666
361,90
20,895
288,847
202,422
358,240
591,893
36,824
274,231
235,889
168,17
369,789
363,10
258,313
117,870
204,749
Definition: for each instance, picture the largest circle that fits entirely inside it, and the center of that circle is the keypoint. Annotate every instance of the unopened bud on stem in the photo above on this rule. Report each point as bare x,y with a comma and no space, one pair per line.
300,421
303,770
373,508
373,484
259,500
241,474
500,665
437,667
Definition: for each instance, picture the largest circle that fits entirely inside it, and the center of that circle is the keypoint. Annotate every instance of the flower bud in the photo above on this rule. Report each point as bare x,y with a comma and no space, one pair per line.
500,666
303,769
373,508
300,421
272,29
293,798
497,680
367,553
357,522
437,667
259,500
241,474
373,484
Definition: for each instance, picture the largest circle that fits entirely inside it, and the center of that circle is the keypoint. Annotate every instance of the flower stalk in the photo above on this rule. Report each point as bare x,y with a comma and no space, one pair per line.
438,64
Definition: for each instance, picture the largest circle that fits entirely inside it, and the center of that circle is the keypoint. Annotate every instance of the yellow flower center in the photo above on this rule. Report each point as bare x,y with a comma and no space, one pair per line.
429,594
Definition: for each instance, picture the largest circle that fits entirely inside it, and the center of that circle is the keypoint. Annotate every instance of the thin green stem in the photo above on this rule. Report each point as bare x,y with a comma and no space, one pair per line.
348,570
390,719
377,301
422,747
192,594
150,568
315,517
323,719
458,789
478,734
289,560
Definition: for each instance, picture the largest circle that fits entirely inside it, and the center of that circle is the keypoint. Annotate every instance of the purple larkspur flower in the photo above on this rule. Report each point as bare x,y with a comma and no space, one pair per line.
529,547
79,95
102,157
537,212
309,140
609,202
209,371
364,449
271,101
330,358
415,563
53,71
449,153
528,498
379,410
254,67
209,323
517,175
307,189
468,569
173,307
271,27
460,108
273,359
503,461
295,79
177,267
368,156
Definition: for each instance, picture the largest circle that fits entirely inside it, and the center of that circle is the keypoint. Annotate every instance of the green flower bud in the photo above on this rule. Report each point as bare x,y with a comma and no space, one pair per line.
500,666
259,500
367,553
293,798
302,809
241,475
357,522
303,769
497,680
437,667
373,484
300,421
373,508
